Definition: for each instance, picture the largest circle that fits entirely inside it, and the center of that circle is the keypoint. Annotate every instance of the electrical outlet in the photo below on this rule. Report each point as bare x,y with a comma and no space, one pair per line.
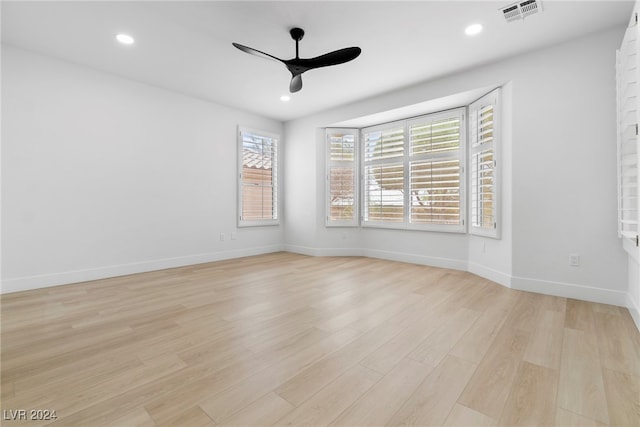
234,235
222,237
574,260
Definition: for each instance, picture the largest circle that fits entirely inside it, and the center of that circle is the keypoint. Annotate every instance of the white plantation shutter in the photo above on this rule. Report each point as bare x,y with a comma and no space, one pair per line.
385,143
384,185
483,154
435,164
383,179
258,177
627,105
413,173
342,194
435,192
435,136
482,190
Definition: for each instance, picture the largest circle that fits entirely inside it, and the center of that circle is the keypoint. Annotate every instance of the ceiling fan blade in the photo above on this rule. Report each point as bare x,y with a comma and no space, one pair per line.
333,58
256,52
296,83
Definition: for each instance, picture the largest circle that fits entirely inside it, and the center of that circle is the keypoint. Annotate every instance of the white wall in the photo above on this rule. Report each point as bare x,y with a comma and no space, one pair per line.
102,176
571,207
560,186
633,297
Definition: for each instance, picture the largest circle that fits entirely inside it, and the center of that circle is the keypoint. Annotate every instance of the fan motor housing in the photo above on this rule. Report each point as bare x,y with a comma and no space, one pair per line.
297,33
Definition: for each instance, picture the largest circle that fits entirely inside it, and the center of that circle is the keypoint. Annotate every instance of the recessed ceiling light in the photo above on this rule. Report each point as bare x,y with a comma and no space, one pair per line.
473,29
285,98
125,39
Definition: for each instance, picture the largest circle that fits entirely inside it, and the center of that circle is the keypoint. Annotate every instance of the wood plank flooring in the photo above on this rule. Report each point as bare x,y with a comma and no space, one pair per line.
284,339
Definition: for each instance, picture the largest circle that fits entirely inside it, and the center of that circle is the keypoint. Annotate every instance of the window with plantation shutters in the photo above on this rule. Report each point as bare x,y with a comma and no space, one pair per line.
436,166
628,152
435,192
258,173
384,185
412,173
483,163
383,178
342,177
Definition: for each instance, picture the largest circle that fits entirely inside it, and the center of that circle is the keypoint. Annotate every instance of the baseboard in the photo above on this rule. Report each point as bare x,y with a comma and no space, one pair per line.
306,250
47,280
374,253
559,289
566,290
634,310
490,274
431,261
569,290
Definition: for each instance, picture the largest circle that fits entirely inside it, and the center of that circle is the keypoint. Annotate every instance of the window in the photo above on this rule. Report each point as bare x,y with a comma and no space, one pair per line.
413,173
384,174
342,177
483,153
258,172
436,163
628,144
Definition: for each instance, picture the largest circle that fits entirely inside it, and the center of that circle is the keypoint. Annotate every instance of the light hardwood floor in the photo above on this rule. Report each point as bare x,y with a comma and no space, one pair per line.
284,339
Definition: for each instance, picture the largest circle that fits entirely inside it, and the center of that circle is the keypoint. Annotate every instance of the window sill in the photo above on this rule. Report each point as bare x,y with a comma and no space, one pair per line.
457,229
265,223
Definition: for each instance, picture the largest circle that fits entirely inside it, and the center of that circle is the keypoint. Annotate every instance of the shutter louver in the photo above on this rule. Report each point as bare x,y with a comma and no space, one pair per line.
435,137
385,198
342,147
482,210
384,144
435,192
341,188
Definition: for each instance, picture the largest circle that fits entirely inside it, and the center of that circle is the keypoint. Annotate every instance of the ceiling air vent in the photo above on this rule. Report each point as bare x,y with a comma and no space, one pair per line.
521,10
529,7
512,13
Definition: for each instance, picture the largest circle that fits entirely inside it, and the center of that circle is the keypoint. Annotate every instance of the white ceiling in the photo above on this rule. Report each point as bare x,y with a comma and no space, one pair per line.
186,46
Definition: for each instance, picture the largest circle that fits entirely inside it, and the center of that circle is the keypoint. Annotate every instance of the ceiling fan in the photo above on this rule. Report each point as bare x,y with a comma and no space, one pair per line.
298,65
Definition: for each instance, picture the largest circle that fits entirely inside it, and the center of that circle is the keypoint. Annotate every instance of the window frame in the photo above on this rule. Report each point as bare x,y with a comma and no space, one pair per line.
492,98
354,221
407,159
275,219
